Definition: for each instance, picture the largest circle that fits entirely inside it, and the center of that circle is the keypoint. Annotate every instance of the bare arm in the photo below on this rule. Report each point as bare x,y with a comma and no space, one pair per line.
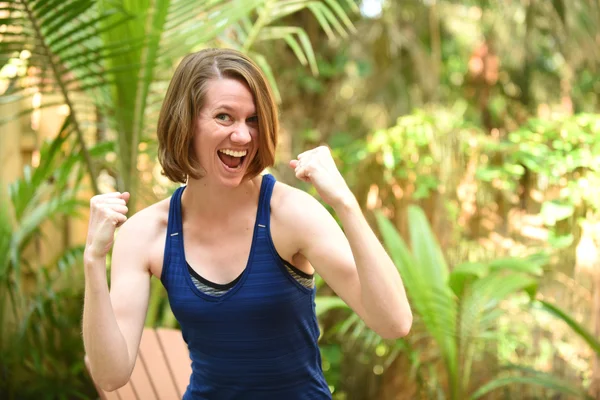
355,265
113,321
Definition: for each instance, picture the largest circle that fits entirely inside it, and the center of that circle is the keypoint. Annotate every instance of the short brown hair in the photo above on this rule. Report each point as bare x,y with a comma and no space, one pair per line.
186,96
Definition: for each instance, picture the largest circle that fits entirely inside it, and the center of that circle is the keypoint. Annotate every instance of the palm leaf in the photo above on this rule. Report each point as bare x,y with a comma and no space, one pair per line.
430,295
538,379
579,329
56,32
479,311
529,265
465,273
425,248
326,303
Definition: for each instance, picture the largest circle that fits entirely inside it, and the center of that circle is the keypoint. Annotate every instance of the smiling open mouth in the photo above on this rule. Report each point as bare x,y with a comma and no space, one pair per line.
232,159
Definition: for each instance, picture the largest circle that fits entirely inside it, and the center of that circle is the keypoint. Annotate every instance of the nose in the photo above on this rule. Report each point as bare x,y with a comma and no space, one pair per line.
241,134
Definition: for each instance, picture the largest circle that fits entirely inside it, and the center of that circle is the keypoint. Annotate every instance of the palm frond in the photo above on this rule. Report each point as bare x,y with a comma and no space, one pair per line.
428,291
535,378
326,303
578,328
62,35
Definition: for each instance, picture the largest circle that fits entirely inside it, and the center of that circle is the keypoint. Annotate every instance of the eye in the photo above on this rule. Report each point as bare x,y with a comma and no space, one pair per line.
223,117
253,120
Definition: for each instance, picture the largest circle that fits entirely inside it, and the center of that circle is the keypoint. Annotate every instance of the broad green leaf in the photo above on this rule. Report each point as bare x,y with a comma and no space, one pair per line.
560,241
425,247
430,296
465,273
553,211
578,328
515,265
326,303
540,379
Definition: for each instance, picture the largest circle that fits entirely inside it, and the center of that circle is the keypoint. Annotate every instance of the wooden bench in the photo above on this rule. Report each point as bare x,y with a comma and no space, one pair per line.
162,369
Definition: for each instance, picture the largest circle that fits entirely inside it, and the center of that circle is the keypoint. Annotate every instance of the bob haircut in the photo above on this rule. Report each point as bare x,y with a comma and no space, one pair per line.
186,96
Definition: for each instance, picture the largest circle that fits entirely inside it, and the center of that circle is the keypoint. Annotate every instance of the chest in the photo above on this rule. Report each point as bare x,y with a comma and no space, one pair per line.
219,252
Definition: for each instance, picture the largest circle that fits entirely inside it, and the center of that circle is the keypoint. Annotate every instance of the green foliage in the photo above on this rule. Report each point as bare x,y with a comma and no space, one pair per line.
578,328
533,378
560,153
110,62
41,303
458,308
121,55
566,147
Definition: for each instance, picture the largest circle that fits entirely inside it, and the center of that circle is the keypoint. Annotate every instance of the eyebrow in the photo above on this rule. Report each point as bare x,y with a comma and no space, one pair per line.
227,107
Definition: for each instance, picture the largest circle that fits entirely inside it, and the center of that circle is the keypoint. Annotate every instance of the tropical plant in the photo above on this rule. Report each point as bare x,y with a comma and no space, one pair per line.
121,55
577,327
110,63
457,310
39,317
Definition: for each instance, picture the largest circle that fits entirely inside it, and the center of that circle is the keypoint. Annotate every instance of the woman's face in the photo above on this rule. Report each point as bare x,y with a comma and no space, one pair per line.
225,140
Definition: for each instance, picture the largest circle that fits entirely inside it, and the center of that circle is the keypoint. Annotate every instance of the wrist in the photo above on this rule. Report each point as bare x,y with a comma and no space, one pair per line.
92,257
346,204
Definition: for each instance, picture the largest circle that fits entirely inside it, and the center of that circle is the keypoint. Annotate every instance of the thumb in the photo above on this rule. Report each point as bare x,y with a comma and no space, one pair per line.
293,163
125,196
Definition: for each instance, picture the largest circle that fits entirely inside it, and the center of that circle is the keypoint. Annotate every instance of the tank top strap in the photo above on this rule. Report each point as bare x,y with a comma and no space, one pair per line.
173,236
264,202
175,226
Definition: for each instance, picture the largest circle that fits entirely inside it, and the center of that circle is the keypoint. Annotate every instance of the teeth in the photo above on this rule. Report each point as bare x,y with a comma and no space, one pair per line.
234,153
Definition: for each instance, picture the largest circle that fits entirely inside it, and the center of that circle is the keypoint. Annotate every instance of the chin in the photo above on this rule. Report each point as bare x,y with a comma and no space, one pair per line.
232,182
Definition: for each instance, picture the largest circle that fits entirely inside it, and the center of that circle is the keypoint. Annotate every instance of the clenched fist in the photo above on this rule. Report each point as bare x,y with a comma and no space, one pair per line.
107,212
317,167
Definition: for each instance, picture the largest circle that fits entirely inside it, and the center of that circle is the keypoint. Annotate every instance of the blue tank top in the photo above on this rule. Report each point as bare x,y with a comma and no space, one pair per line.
259,340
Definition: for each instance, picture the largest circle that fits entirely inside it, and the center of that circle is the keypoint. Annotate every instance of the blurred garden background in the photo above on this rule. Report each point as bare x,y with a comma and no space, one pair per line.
468,130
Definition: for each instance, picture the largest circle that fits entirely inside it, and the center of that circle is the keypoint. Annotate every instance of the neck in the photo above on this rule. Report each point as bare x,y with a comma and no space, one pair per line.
209,201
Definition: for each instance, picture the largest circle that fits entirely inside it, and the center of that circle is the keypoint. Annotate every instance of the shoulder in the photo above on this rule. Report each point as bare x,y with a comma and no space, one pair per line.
290,202
145,227
298,211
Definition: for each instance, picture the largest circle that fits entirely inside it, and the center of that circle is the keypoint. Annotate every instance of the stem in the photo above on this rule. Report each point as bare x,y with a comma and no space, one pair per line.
48,53
258,25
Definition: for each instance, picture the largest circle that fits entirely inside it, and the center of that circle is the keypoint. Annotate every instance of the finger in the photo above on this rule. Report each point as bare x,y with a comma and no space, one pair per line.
293,163
119,208
125,196
121,223
116,218
111,194
304,154
324,148
303,174
111,200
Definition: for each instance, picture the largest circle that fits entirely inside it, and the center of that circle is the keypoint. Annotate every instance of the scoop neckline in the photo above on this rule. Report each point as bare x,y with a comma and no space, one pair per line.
242,277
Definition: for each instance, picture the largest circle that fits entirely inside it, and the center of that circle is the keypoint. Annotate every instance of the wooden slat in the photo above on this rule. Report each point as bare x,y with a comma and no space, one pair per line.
177,357
154,362
127,393
140,379
108,395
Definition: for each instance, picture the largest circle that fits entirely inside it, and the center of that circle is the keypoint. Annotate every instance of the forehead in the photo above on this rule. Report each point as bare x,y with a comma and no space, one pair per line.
229,93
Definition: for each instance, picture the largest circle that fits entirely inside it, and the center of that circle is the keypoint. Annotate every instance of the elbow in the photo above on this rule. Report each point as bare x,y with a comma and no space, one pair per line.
107,382
398,328
110,385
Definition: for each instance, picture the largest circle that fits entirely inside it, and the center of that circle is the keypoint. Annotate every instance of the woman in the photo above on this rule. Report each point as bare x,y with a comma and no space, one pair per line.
235,250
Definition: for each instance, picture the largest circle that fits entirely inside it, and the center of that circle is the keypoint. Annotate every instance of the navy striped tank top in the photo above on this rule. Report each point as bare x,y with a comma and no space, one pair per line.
258,341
